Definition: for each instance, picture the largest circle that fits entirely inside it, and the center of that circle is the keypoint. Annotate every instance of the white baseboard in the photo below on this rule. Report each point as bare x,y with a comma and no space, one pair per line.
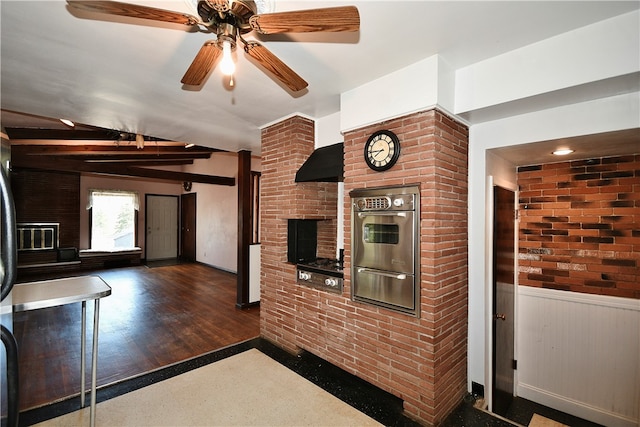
575,408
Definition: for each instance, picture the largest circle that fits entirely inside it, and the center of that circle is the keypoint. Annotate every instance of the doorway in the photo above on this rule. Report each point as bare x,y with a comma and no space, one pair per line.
503,299
161,227
188,227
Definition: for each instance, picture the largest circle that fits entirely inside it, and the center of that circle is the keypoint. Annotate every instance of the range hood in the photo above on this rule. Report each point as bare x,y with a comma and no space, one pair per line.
326,164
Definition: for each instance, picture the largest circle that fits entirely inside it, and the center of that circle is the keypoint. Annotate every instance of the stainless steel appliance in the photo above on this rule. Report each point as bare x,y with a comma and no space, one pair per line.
321,273
8,271
385,247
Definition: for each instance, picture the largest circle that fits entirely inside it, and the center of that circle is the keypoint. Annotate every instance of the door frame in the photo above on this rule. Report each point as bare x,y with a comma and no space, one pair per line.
503,304
184,197
489,294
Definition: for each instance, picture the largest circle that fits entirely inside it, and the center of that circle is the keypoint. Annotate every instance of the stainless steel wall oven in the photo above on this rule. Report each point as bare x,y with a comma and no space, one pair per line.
385,239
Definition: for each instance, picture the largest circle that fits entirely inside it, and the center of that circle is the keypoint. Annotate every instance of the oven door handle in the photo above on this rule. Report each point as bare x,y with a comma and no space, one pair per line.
397,276
365,214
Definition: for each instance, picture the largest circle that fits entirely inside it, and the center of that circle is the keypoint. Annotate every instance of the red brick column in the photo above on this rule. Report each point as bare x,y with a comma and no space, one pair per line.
421,360
424,360
285,147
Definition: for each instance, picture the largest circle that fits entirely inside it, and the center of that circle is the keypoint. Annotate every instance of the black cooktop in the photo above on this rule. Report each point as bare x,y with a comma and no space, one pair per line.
331,267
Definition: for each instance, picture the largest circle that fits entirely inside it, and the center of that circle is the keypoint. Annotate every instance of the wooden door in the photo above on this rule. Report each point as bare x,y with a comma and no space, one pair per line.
503,299
188,227
162,227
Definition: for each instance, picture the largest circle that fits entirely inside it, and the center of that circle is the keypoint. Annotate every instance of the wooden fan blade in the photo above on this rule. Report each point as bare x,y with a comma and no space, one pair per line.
134,11
274,65
202,64
332,19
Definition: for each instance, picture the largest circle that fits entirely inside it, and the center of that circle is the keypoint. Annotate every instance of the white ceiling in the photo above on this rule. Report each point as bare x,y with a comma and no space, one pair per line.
124,74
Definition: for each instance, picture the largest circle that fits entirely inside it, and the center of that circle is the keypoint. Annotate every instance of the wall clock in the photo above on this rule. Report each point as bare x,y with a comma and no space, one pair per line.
382,150
186,185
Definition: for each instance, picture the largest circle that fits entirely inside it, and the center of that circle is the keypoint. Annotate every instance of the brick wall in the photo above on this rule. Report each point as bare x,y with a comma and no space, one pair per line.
48,197
580,226
422,360
284,306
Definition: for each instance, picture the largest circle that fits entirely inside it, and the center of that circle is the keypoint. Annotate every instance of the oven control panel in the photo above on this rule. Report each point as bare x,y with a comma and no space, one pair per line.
396,202
320,281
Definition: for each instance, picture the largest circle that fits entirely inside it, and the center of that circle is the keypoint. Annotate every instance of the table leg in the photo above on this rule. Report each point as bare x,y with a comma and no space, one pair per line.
83,346
94,361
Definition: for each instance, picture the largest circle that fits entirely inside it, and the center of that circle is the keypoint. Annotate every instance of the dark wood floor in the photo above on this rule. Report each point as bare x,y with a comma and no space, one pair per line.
153,318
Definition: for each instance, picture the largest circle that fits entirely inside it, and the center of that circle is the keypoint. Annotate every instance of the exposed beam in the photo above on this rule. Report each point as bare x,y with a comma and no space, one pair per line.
138,157
62,134
68,165
113,150
143,162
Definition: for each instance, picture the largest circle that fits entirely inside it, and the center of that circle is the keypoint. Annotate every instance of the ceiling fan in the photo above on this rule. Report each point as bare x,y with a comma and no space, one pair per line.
230,20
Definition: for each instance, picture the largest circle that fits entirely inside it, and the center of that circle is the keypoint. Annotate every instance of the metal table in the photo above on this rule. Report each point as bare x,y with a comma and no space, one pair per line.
51,293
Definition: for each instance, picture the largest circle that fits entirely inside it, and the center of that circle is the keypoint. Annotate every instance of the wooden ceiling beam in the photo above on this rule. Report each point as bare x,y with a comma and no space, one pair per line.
132,157
68,165
131,150
63,134
146,163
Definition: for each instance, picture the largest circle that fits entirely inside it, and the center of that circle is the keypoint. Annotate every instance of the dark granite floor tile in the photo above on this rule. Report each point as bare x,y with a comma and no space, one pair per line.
466,415
522,410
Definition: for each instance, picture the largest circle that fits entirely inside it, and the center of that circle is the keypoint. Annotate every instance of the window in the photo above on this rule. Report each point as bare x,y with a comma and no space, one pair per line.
113,218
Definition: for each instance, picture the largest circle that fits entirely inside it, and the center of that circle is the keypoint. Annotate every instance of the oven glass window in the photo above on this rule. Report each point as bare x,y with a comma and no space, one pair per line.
381,233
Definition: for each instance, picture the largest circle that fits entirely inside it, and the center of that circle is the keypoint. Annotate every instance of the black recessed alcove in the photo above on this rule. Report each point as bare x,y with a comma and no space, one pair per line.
302,240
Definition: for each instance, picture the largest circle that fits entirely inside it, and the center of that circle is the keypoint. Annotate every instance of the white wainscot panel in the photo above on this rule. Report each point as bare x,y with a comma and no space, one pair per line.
580,354
254,273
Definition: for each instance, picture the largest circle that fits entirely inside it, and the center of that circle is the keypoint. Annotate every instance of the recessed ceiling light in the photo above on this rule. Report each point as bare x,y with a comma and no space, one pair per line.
563,152
68,122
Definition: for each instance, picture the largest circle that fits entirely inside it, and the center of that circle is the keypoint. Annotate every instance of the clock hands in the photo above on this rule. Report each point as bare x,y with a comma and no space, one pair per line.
375,153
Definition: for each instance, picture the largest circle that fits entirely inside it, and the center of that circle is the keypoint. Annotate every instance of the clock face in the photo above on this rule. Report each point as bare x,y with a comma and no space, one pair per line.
382,150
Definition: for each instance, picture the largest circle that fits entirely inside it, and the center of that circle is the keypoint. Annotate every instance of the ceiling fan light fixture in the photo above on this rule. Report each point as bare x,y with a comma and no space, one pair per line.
189,145
68,123
230,19
227,66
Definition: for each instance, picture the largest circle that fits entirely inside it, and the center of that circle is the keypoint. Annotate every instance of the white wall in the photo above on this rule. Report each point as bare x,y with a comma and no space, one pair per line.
217,211
327,130
411,89
597,52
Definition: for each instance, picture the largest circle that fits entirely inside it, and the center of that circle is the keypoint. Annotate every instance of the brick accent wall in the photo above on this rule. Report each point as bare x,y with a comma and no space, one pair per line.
48,197
580,226
421,360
